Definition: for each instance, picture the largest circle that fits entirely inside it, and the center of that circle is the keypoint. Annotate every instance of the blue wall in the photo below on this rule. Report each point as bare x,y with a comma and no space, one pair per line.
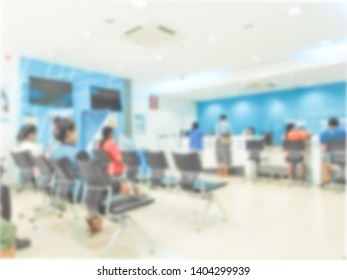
269,111
82,80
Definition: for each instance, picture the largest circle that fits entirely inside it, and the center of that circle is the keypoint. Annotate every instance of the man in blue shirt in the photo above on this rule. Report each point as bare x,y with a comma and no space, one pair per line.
223,126
333,132
195,138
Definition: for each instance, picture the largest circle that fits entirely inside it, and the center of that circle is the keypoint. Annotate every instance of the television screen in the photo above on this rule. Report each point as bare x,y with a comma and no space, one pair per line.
50,92
107,99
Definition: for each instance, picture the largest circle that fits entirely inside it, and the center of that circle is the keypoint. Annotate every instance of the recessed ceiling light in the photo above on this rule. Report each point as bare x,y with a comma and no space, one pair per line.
326,42
255,58
212,38
139,4
158,57
249,25
86,34
293,11
109,20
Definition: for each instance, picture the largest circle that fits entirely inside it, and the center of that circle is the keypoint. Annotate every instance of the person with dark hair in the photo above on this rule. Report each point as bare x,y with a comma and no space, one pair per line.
27,141
249,132
297,134
223,145
66,135
195,138
108,145
333,132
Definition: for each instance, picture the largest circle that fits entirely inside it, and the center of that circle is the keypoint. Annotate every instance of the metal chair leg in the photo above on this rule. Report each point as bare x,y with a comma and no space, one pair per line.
225,217
115,236
204,215
143,233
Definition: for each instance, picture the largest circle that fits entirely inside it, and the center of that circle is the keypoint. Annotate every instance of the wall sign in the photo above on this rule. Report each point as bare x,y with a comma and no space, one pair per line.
153,102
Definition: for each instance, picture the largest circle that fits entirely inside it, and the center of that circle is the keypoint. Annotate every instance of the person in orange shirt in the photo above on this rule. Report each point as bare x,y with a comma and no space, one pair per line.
116,166
293,134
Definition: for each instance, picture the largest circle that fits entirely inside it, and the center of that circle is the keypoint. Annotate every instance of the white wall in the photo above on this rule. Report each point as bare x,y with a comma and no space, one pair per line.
173,115
8,124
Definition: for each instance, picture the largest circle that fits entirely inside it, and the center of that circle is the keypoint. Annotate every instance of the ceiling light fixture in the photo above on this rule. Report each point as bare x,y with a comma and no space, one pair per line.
86,34
212,38
158,57
109,20
294,11
139,4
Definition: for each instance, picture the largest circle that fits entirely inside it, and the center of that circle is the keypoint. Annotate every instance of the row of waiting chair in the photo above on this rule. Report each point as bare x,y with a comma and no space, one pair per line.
188,164
57,178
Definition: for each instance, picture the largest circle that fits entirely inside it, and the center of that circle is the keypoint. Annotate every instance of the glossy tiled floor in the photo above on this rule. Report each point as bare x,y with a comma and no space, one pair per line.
265,221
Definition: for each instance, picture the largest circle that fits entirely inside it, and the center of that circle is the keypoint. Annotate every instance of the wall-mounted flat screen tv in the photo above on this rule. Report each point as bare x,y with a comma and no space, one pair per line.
105,99
47,92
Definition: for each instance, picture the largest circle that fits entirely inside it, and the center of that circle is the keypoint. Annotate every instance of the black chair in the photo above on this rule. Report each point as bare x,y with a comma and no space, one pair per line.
25,163
190,167
99,199
46,173
82,155
295,154
158,165
102,158
255,148
45,184
67,182
132,163
337,151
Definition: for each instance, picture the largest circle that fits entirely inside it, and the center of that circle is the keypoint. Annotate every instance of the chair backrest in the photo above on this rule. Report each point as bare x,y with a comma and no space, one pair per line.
294,146
64,170
189,162
93,176
82,155
102,158
337,149
337,145
131,158
91,173
156,160
255,144
23,160
44,166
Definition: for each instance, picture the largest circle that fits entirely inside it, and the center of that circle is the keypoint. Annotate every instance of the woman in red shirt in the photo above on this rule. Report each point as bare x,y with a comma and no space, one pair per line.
116,166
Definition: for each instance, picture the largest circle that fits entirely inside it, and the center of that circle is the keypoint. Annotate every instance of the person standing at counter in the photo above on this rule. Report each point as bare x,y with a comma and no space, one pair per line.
332,133
196,138
297,134
223,145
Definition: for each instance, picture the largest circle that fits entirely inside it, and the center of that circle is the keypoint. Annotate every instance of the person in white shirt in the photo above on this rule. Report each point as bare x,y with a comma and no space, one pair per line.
223,145
27,141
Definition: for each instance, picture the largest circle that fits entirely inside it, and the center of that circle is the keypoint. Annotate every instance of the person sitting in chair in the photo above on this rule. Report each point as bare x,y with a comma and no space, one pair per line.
332,133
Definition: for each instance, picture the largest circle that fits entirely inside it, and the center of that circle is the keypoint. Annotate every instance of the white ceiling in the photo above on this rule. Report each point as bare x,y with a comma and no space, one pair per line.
59,31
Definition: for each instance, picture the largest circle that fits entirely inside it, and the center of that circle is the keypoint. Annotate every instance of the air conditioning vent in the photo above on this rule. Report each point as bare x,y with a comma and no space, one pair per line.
151,35
166,30
133,30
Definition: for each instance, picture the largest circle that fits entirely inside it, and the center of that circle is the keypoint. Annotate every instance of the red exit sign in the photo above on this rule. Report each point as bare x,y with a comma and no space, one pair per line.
153,102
